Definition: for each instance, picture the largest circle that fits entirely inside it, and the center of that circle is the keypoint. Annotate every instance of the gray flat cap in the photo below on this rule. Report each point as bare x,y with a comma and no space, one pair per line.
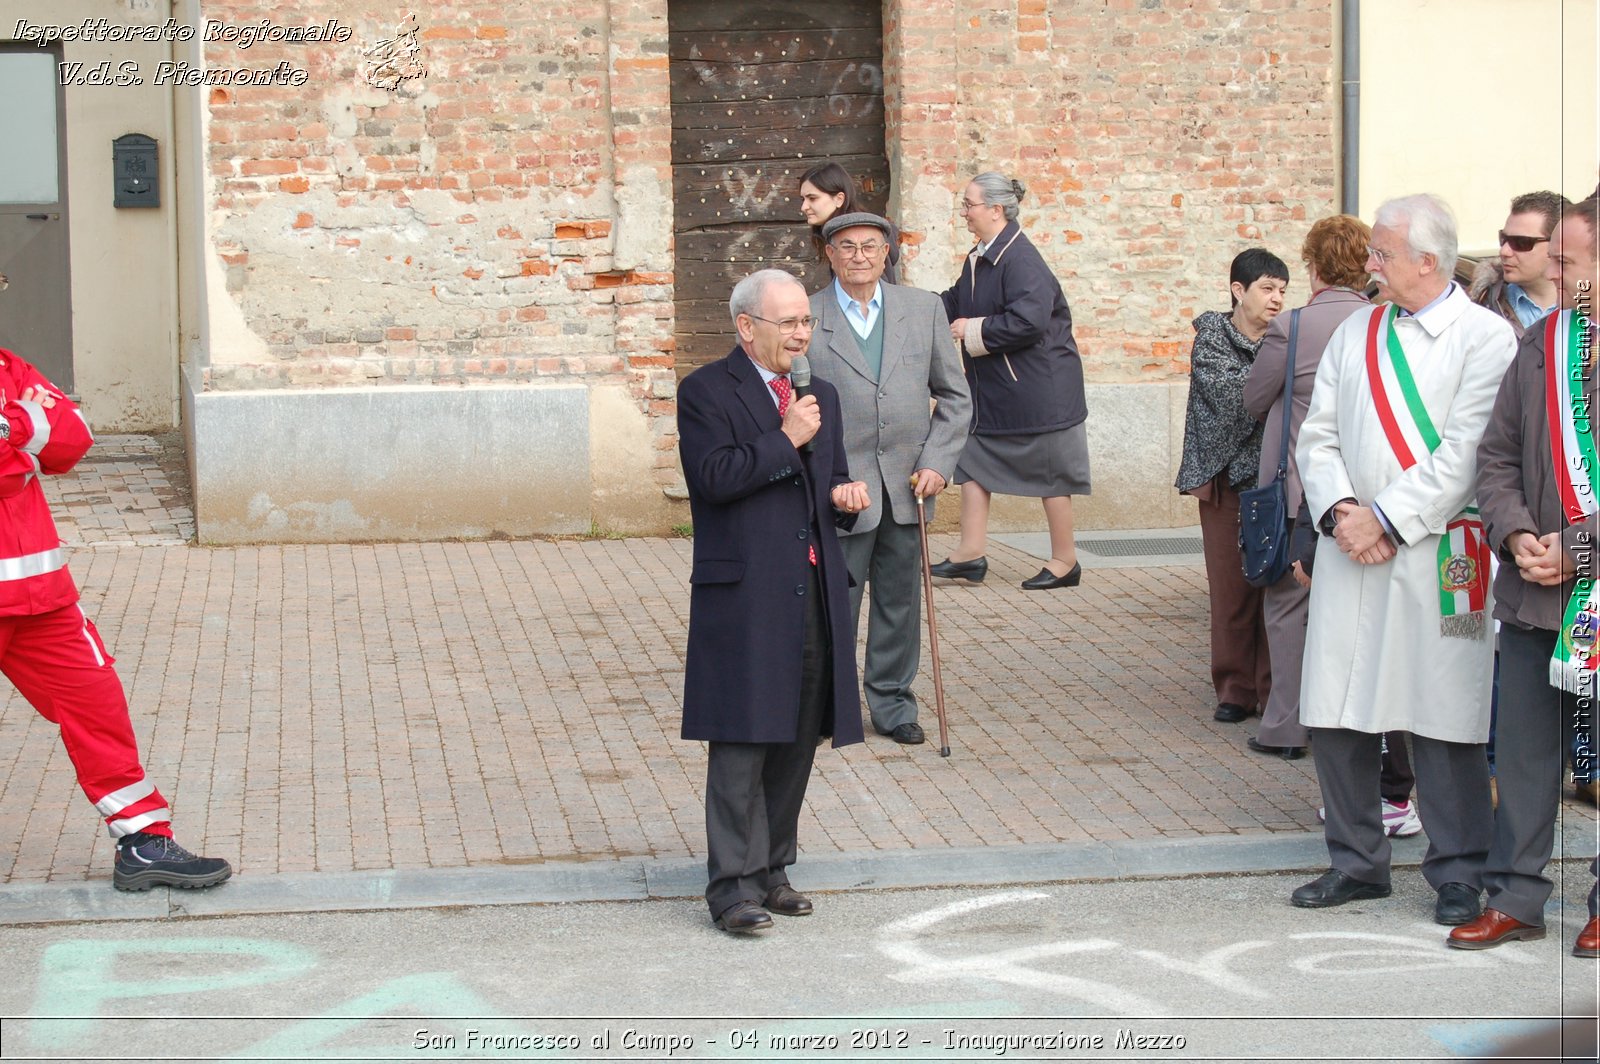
845,221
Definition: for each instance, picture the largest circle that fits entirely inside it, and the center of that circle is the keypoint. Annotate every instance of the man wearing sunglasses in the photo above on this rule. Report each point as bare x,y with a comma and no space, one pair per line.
1514,285
887,348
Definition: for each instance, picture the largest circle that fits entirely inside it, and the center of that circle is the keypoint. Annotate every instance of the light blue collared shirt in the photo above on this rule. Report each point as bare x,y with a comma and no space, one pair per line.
861,323
1527,310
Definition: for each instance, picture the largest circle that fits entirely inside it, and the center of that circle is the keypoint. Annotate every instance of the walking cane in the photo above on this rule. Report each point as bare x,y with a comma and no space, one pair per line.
933,627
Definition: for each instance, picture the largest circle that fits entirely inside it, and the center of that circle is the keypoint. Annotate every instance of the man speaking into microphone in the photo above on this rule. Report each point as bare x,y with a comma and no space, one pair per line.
771,655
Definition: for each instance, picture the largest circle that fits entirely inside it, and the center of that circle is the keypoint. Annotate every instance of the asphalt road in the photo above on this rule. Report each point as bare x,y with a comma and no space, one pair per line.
1218,968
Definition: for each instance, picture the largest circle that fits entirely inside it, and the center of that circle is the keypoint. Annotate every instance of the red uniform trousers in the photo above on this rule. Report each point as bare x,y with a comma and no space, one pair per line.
59,664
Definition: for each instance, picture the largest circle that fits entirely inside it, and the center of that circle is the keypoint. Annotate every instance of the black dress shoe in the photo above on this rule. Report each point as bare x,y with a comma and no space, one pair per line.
1048,581
909,734
1230,713
1457,904
784,900
1288,753
973,571
1332,888
744,918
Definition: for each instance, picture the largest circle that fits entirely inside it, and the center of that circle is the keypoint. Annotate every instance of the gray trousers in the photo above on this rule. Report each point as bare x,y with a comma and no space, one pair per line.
754,791
1284,607
889,557
1453,788
1534,731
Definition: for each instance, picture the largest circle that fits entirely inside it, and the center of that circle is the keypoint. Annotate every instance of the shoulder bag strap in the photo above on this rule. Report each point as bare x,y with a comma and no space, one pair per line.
1288,393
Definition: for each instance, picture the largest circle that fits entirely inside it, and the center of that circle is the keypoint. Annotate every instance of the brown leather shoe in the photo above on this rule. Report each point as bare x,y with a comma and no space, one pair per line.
1588,792
1588,944
744,918
784,900
1491,929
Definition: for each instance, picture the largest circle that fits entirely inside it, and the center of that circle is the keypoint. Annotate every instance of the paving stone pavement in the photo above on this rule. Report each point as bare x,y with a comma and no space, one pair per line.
414,706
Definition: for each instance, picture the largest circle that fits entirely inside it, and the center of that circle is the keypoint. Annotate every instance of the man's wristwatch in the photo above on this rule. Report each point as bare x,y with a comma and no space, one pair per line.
5,427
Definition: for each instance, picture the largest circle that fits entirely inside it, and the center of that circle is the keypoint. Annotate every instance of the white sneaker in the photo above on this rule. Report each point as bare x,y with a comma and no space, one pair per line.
1400,819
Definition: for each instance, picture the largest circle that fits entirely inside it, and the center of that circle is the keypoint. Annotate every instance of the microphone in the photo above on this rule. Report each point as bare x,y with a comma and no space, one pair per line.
800,379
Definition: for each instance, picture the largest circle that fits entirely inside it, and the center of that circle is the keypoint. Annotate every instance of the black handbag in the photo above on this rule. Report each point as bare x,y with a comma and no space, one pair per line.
1264,518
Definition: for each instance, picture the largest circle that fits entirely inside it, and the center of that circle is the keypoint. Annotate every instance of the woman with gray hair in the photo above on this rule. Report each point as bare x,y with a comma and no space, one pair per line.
1010,319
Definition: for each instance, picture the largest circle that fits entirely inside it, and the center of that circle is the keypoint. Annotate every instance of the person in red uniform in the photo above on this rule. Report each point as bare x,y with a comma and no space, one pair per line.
51,651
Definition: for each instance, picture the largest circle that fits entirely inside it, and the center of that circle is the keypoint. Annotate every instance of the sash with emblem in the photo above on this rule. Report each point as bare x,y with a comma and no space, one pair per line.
1568,359
1463,552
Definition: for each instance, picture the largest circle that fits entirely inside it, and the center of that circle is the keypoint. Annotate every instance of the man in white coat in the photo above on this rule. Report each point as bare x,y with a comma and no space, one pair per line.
1398,637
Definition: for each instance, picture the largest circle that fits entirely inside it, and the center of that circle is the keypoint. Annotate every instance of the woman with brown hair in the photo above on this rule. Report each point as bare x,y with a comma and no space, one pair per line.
827,189
1335,257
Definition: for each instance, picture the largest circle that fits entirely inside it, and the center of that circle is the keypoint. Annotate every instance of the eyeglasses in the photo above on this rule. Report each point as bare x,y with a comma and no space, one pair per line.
966,206
789,326
1522,243
1383,257
850,250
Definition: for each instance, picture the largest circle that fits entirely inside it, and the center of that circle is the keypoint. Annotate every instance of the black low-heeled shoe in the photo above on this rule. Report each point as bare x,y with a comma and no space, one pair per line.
973,571
1048,581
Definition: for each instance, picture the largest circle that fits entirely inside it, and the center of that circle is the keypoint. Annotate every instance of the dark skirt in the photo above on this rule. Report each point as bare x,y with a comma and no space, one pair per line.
1042,465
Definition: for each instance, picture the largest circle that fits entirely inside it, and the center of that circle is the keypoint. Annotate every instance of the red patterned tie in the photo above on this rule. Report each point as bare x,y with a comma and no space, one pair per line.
785,392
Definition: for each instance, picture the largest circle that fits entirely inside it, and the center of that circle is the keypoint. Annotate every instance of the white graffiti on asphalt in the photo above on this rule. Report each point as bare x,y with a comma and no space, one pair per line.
899,942
1360,954
1400,953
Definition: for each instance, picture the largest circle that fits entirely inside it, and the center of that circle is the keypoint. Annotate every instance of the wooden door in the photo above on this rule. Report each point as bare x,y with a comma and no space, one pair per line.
761,92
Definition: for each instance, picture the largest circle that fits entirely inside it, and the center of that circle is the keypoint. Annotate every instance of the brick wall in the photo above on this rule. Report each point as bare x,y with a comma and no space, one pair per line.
1157,138
507,219
504,219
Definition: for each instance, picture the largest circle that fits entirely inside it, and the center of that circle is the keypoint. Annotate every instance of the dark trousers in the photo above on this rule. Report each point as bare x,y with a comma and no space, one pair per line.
754,791
1453,780
1241,667
1536,726
889,557
1395,778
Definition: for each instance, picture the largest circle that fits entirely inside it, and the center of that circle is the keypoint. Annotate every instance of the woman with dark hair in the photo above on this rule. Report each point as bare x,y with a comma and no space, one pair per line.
1221,453
827,189
1011,322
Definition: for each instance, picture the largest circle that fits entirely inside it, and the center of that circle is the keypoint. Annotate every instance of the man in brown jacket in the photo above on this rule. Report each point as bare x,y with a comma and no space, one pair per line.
1537,495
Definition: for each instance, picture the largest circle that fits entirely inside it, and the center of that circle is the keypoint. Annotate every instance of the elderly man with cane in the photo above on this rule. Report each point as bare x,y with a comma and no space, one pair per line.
907,410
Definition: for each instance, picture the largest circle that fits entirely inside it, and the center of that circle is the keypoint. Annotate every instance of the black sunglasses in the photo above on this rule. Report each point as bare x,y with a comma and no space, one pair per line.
1522,243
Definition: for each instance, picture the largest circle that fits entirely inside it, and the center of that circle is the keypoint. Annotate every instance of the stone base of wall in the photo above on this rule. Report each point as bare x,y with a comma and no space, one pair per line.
421,463
405,463
1135,440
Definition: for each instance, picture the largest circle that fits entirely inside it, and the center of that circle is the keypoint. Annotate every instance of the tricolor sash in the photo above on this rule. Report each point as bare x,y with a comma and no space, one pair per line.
1463,552
1568,359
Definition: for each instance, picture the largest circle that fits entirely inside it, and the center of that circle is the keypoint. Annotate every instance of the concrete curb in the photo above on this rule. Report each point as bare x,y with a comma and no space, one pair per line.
641,879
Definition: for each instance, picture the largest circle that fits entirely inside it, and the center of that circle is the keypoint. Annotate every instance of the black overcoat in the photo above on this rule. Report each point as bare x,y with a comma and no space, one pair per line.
1032,379
757,504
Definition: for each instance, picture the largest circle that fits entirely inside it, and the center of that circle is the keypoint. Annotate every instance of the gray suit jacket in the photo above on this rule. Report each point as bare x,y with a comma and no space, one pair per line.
889,432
